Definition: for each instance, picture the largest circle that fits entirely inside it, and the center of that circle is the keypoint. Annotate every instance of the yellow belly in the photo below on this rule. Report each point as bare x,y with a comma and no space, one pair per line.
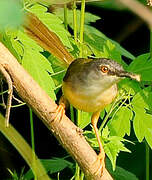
92,103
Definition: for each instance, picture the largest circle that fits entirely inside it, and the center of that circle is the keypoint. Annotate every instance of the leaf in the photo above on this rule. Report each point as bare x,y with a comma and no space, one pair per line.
38,66
53,165
89,17
142,65
112,146
52,22
142,121
27,42
120,123
129,85
85,119
98,36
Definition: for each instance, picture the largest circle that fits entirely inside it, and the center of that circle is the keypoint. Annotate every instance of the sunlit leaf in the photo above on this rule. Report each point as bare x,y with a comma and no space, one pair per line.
120,124
52,22
142,65
38,66
143,122
112,146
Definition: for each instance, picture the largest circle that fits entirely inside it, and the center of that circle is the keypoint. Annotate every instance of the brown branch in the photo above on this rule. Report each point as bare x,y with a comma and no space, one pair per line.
139,9
65,131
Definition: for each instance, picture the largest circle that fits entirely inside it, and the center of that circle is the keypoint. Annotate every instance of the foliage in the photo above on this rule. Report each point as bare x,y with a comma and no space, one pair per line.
132,107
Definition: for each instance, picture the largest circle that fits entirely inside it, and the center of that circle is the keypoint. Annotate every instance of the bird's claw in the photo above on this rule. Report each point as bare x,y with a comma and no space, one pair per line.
100,160
60,111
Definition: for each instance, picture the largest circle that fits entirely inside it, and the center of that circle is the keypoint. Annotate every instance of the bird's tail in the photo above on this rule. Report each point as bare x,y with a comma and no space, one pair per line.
46,38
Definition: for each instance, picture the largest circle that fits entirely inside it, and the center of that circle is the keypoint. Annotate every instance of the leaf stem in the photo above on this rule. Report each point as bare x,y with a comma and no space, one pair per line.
110,111
77,172
147,160
75,21
82,26
72,113
65,16
32,138
78,117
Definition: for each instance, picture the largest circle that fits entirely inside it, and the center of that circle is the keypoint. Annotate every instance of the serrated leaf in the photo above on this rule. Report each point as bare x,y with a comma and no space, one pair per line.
7,39
38,66
52,166
113,147
142,65
120,123
52,22
142,121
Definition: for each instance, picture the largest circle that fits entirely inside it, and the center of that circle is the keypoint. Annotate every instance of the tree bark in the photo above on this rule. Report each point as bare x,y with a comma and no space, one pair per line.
65,131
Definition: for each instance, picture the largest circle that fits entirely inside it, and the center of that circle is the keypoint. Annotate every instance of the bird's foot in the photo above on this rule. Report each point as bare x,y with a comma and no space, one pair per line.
100,162
60,111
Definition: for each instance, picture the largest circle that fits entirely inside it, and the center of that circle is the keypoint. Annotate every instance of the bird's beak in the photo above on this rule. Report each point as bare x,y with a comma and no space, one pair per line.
130,75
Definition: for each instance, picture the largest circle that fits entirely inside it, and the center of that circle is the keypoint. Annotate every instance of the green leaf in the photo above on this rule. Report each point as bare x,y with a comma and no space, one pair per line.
142,65
53,165
99,37
10,14
142,121
119,125
27,42
129,85
38,66
8,40
112,146
52,22
89,17
85,119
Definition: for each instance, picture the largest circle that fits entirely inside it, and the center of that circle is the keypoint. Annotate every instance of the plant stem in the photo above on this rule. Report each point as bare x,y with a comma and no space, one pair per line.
32,129
147,160
72,113
111,109
82,26
32,138
78,117
81,176
77,172
75,21
65,17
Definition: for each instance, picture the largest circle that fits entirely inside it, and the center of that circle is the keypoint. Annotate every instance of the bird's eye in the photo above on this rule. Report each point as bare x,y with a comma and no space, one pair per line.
104,69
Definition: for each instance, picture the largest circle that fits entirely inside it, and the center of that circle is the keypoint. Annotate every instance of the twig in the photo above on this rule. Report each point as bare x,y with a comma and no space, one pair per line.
10,93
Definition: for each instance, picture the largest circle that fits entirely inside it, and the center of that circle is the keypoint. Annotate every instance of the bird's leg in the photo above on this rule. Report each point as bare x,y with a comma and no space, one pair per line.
60,111
101,155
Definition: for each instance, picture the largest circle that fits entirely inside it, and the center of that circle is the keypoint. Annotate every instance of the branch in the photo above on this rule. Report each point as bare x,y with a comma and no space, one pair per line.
65,131
139,9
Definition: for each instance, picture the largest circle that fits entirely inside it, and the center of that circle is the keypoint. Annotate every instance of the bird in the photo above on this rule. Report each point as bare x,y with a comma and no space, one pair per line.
89,84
